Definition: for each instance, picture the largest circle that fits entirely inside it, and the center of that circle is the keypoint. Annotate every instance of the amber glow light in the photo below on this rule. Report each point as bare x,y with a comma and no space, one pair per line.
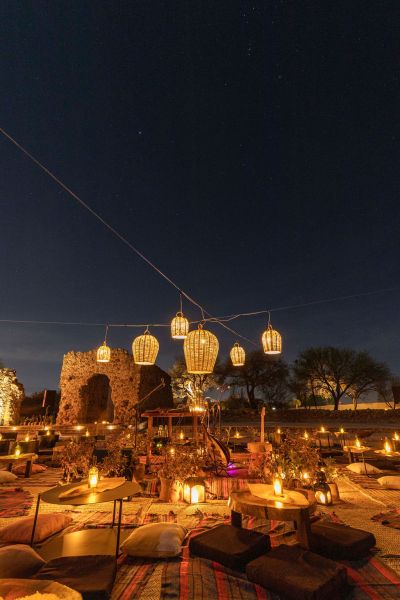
145,349
341,430
278,486
181,435
201,351
179,327
17,451
322,430
103,353
358,443
306,436
278,430
396,437
271,341
27,438
387,447
238,355
93,477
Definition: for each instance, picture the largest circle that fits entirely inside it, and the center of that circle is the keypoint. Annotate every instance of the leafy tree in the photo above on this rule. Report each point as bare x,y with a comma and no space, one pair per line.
185,385
260,373
333,373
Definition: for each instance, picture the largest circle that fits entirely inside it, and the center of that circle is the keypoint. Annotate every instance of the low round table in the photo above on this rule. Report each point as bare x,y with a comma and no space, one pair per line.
356,451
292,506
17,588
11,460
90,540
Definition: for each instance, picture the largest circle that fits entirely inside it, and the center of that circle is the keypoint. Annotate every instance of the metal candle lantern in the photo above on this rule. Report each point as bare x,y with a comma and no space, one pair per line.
194,490
93,477
278,485
17,450
323,494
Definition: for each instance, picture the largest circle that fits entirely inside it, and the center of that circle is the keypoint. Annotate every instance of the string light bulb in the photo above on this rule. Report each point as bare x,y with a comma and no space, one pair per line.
238,355
145,348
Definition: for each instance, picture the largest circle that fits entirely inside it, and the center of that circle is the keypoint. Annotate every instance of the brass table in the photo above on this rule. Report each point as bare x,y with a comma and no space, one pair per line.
281,509
90,540
11,459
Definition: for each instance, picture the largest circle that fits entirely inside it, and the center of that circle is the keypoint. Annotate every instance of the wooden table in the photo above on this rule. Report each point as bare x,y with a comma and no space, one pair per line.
355,451
90,540
11,459
280,509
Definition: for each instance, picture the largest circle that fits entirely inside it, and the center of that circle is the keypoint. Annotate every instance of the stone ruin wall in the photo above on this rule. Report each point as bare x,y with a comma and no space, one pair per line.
129,383
11,396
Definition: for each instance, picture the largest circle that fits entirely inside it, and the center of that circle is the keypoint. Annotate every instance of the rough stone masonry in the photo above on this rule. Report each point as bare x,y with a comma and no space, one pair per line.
89,389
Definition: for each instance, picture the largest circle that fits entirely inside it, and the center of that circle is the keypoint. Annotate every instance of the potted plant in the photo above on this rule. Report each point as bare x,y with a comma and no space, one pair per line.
75,460
180,462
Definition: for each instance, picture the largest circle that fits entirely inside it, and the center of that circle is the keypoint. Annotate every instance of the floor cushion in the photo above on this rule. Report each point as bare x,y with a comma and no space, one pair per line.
35,468
92,576
155,540
231,546
19,560
20,531
7,477
340,542
298,574
390,482
361,468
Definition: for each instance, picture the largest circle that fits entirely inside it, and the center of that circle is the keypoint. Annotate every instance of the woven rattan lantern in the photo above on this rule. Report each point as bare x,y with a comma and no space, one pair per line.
179,327
271,341
145,349
237,355
104,353
201,350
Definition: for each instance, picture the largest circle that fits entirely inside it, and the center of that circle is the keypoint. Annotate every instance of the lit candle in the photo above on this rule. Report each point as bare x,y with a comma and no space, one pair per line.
278,486
181,436
17,451
278,504
27,438
388,447
306,476
93,477
320,497
396,437
195,495
48,432
357,443
341,430
87,433
306,435
237,434
278,430
1,436
172,451
322,429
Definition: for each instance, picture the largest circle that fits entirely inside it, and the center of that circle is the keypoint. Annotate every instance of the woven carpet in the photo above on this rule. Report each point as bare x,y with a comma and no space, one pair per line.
390,518
14,502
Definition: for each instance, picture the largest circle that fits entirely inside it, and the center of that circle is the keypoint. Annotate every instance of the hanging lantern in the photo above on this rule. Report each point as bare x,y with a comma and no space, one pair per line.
271,341
201,349
179,327
104,353
194,490
237,355
145,349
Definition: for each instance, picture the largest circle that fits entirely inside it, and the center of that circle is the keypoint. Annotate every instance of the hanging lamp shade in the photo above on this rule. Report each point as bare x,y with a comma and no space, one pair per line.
271,341
179,327
201,349
237,355
104,353
145,349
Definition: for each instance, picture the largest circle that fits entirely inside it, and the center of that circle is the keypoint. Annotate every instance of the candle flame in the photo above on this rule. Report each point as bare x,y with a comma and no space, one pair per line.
388,447
278,487
358,443
195,495
322,429
306,435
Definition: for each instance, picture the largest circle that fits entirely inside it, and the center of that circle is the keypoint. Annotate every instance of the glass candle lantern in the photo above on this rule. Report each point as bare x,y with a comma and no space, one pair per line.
278,485
322,491
93,477
27,438
194,490
17,450
388,447
357,443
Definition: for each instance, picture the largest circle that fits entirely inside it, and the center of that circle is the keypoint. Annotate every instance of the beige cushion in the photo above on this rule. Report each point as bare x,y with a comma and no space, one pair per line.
7,477
20,532
20,469
360,468
19,561
391,482
156,540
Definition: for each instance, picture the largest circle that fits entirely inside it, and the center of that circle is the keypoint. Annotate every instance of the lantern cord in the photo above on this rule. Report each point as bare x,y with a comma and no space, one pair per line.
105,336
111,228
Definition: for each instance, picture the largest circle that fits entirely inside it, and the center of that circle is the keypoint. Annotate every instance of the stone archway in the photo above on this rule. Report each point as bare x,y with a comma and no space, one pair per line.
96,400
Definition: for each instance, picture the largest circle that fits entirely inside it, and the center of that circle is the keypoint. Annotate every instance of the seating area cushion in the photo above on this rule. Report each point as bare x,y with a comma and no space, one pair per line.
390,482
155,540
19,561
297,574
231,546
20,532
361,468
7,477
340,542
93,575
20,469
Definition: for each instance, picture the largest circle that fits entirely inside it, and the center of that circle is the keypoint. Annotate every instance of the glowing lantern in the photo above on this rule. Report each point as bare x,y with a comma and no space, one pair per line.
87,433
306,436
201,350
357,443
145,349
93,477
388,447
179,327
278,485
48,432
271,341
103,353
341,430
237,355
322,430
278,430
194,490
181,435
27,438
237,434
396,437
17,451
323,494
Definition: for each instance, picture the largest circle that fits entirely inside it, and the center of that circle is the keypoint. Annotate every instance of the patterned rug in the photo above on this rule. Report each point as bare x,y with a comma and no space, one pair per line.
390,518
14,502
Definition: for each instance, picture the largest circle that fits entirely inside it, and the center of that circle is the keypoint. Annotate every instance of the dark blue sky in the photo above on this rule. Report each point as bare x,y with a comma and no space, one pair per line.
250,149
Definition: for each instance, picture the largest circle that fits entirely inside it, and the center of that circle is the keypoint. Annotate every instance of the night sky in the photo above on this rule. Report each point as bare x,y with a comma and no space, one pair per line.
250,149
